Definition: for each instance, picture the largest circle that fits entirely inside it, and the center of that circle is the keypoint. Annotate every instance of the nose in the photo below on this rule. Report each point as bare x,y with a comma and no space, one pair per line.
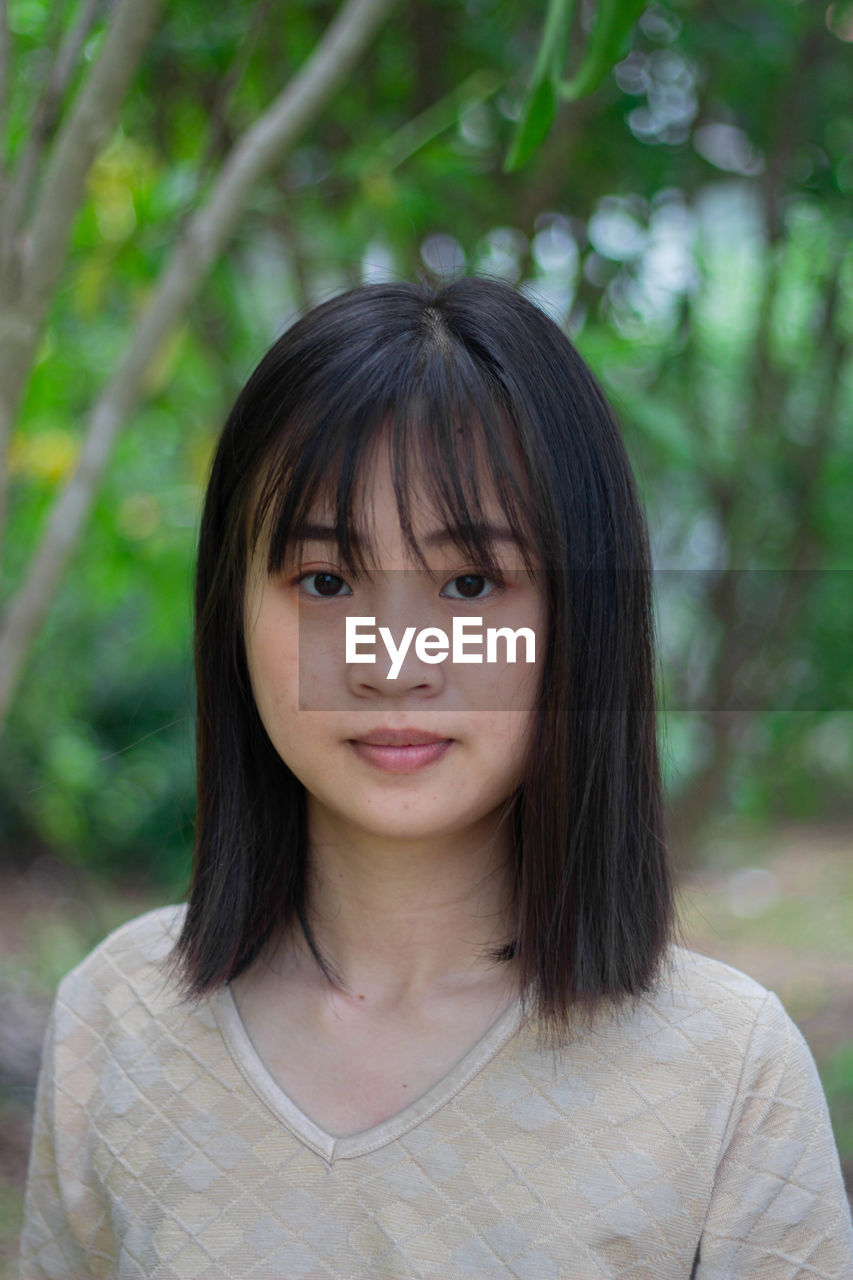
397,675
402,612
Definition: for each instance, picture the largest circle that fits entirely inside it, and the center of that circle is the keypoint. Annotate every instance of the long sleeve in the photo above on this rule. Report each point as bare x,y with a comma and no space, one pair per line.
779,1208
49,1250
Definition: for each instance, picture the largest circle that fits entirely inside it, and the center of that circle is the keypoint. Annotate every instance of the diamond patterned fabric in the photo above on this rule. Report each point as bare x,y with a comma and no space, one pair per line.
685,1137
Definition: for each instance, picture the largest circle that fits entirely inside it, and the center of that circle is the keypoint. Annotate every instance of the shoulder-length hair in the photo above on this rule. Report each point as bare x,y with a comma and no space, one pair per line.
593,896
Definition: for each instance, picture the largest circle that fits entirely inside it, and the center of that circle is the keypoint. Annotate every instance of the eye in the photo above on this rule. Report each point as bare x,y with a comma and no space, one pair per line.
327,585
470,586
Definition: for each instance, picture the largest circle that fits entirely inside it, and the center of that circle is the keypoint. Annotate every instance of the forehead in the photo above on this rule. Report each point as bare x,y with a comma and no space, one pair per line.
444,480
433,533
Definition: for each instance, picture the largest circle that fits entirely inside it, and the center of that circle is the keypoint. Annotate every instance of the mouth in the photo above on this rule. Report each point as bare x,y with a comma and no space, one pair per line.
400,738
401,750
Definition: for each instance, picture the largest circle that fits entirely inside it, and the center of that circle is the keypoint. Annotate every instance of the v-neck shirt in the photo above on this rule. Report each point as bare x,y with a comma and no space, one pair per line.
330,1147
686,1135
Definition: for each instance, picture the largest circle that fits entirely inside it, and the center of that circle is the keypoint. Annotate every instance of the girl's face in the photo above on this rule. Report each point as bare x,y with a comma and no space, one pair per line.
318,708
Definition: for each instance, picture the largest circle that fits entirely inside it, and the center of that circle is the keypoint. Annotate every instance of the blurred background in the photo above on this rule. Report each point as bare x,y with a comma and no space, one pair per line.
683,208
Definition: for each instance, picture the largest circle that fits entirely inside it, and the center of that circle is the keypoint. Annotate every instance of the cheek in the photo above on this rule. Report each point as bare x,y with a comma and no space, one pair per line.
273,664
274,676
509,738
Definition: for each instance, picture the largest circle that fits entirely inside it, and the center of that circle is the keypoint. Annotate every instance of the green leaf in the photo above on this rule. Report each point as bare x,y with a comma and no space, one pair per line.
608,45
532,128
539,110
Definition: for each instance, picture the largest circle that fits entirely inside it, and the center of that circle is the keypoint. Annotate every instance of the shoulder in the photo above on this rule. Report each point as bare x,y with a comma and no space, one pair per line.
733,1009
723,1031
706,1063
125,979
703,1021
130,951
694,985
717,1010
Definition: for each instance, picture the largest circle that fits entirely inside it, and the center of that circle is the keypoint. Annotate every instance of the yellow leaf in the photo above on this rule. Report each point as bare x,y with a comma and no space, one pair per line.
48,455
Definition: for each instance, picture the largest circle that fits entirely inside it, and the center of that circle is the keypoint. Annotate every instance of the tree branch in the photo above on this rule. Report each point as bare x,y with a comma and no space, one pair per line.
805,544
44,121
4,62
42,255
231,81
205,236
738,644
4,89
88,125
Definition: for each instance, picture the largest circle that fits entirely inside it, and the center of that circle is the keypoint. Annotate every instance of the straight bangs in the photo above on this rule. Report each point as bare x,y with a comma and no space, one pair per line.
445,428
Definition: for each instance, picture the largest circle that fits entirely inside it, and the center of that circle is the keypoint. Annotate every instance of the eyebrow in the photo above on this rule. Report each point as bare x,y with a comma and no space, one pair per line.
309,532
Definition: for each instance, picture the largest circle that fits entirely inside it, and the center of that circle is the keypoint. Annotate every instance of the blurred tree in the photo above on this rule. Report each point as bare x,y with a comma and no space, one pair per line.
688,222
35,228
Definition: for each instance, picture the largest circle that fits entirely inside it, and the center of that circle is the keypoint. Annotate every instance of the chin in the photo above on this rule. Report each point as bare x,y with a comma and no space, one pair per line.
416,822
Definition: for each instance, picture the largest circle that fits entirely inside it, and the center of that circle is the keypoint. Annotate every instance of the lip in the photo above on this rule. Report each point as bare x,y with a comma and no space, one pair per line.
402,759
400,738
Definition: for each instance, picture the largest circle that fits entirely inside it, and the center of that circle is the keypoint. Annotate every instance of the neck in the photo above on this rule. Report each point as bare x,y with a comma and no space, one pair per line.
407,920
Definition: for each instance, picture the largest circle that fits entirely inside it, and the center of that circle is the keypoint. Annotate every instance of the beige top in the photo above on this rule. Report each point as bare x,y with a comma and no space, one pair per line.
688,1136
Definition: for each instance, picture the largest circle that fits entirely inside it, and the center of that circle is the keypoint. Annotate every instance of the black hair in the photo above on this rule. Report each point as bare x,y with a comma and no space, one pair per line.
592,885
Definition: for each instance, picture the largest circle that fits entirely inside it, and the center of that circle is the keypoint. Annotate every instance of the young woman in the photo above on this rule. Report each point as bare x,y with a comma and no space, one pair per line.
424,1014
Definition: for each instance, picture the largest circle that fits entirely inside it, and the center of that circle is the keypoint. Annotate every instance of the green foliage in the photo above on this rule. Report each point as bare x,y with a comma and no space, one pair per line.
538,116
608,44
538,112
689,224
